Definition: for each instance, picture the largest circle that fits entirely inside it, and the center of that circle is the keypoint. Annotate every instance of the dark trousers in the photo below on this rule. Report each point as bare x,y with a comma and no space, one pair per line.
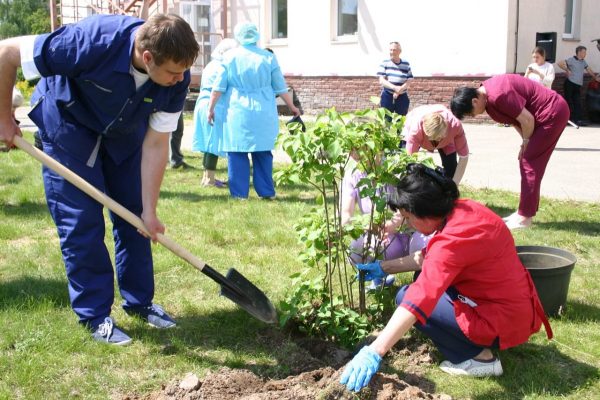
209,162
573,97
441,327
398,106
79,221
176,136
449,163
536,157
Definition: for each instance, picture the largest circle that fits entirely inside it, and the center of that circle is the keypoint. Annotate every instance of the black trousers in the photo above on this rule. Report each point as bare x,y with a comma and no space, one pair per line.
449,162
176,136
573,98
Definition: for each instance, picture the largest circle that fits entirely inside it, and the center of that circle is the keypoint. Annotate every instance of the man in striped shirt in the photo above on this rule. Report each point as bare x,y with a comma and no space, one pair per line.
394,77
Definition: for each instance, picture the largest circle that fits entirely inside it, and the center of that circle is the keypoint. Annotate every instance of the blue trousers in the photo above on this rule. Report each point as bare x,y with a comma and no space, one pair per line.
79,221
399,106
443,330
238,169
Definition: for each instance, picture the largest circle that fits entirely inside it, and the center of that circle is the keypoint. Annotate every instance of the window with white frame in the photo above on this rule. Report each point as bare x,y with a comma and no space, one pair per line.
279,18
197,14
347,17
572,19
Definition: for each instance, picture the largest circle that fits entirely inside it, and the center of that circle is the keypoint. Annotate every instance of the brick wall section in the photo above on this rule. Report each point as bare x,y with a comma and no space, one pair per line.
318,93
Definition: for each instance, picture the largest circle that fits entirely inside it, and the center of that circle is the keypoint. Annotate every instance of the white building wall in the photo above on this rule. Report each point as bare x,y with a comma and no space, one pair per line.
549,16
438,37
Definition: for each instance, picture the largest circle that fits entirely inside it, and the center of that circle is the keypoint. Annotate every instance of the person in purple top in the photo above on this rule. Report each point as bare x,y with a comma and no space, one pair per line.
394,244
538,114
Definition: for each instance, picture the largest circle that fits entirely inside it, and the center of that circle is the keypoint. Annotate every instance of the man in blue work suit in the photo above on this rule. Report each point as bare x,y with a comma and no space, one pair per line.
112,89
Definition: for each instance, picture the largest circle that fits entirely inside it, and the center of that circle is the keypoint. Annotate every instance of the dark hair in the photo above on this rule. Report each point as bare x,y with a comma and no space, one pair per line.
541,51
270,50
462,101
425,192
168,37
579,48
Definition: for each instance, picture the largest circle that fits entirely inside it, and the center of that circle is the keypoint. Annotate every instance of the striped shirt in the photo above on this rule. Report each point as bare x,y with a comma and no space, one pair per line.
396,74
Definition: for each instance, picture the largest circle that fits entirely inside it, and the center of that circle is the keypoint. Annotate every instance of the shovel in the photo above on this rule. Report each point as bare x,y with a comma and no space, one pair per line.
234,285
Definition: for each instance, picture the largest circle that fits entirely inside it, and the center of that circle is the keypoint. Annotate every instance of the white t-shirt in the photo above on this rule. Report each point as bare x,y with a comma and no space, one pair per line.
547,71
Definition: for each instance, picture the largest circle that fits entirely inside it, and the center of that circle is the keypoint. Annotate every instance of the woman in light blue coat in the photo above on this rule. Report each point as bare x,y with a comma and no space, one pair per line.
208,138
248,82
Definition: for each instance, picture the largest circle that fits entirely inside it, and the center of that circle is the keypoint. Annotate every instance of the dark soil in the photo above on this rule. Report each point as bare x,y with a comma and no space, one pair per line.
316,367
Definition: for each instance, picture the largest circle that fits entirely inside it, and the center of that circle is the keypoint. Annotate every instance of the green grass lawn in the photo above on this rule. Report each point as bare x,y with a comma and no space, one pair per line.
44,353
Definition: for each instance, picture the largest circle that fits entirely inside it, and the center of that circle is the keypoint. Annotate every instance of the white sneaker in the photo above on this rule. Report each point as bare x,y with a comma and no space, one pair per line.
518,224
473,367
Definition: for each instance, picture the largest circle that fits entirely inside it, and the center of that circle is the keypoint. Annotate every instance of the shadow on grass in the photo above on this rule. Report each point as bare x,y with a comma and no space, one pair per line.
194,197
580,312
26,209
28,291
223,195
246,343
533,370
11,180
581,227
501,211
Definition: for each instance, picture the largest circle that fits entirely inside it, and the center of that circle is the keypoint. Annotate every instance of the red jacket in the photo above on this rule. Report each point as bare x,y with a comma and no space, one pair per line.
475,252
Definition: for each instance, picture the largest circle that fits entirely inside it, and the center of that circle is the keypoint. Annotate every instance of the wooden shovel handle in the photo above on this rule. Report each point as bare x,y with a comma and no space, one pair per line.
106,201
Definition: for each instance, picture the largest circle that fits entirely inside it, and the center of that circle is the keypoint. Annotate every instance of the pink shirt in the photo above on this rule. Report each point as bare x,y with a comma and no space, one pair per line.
508,95
413,133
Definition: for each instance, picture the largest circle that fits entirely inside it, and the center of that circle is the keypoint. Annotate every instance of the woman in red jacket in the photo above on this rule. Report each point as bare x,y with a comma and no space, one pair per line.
473,294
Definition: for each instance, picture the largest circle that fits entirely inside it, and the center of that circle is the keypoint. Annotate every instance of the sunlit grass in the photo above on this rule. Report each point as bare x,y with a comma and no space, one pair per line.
44,353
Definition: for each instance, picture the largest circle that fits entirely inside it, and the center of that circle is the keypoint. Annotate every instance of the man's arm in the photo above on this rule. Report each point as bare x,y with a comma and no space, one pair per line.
563,65
155,152
592,73
404,87
10,60
387,84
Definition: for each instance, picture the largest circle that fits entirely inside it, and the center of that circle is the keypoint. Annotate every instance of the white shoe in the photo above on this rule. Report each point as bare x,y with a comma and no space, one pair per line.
518,223
512,216
473,367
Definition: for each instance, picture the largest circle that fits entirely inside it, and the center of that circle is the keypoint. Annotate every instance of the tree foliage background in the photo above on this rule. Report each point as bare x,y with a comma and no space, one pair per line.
23,17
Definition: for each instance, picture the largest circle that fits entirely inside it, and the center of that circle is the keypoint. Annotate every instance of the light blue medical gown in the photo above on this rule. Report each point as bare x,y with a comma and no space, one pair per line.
250,79
208,138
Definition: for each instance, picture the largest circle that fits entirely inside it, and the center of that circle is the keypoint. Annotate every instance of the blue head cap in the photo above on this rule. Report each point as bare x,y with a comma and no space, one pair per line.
246,33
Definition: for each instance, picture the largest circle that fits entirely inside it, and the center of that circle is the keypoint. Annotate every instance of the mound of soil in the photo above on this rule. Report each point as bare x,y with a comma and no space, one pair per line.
316,366
322,383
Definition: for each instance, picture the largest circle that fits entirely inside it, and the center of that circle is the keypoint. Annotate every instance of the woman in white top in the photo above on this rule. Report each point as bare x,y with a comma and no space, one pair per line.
540,70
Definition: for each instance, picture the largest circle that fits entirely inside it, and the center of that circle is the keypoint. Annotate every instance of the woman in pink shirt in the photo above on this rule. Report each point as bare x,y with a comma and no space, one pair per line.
434,127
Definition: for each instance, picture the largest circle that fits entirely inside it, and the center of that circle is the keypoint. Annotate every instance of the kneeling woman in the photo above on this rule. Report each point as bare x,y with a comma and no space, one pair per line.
473,294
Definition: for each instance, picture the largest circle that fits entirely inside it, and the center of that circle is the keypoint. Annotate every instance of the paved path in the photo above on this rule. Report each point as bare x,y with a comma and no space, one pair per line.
573,172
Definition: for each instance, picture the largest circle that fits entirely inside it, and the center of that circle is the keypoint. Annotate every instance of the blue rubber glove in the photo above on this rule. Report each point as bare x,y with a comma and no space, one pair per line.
373,270
359,371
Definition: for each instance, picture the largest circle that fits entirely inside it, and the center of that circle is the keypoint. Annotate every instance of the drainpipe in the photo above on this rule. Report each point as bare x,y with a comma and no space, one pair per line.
224,17
516,39
53,20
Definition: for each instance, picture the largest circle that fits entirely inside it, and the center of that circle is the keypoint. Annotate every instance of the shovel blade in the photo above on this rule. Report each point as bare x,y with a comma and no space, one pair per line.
243,293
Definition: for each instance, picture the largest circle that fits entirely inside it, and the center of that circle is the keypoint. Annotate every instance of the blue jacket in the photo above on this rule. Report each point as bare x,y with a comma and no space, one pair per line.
250,79
87,93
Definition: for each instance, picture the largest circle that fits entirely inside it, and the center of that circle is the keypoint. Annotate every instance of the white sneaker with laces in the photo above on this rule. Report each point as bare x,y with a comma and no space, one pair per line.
473,367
